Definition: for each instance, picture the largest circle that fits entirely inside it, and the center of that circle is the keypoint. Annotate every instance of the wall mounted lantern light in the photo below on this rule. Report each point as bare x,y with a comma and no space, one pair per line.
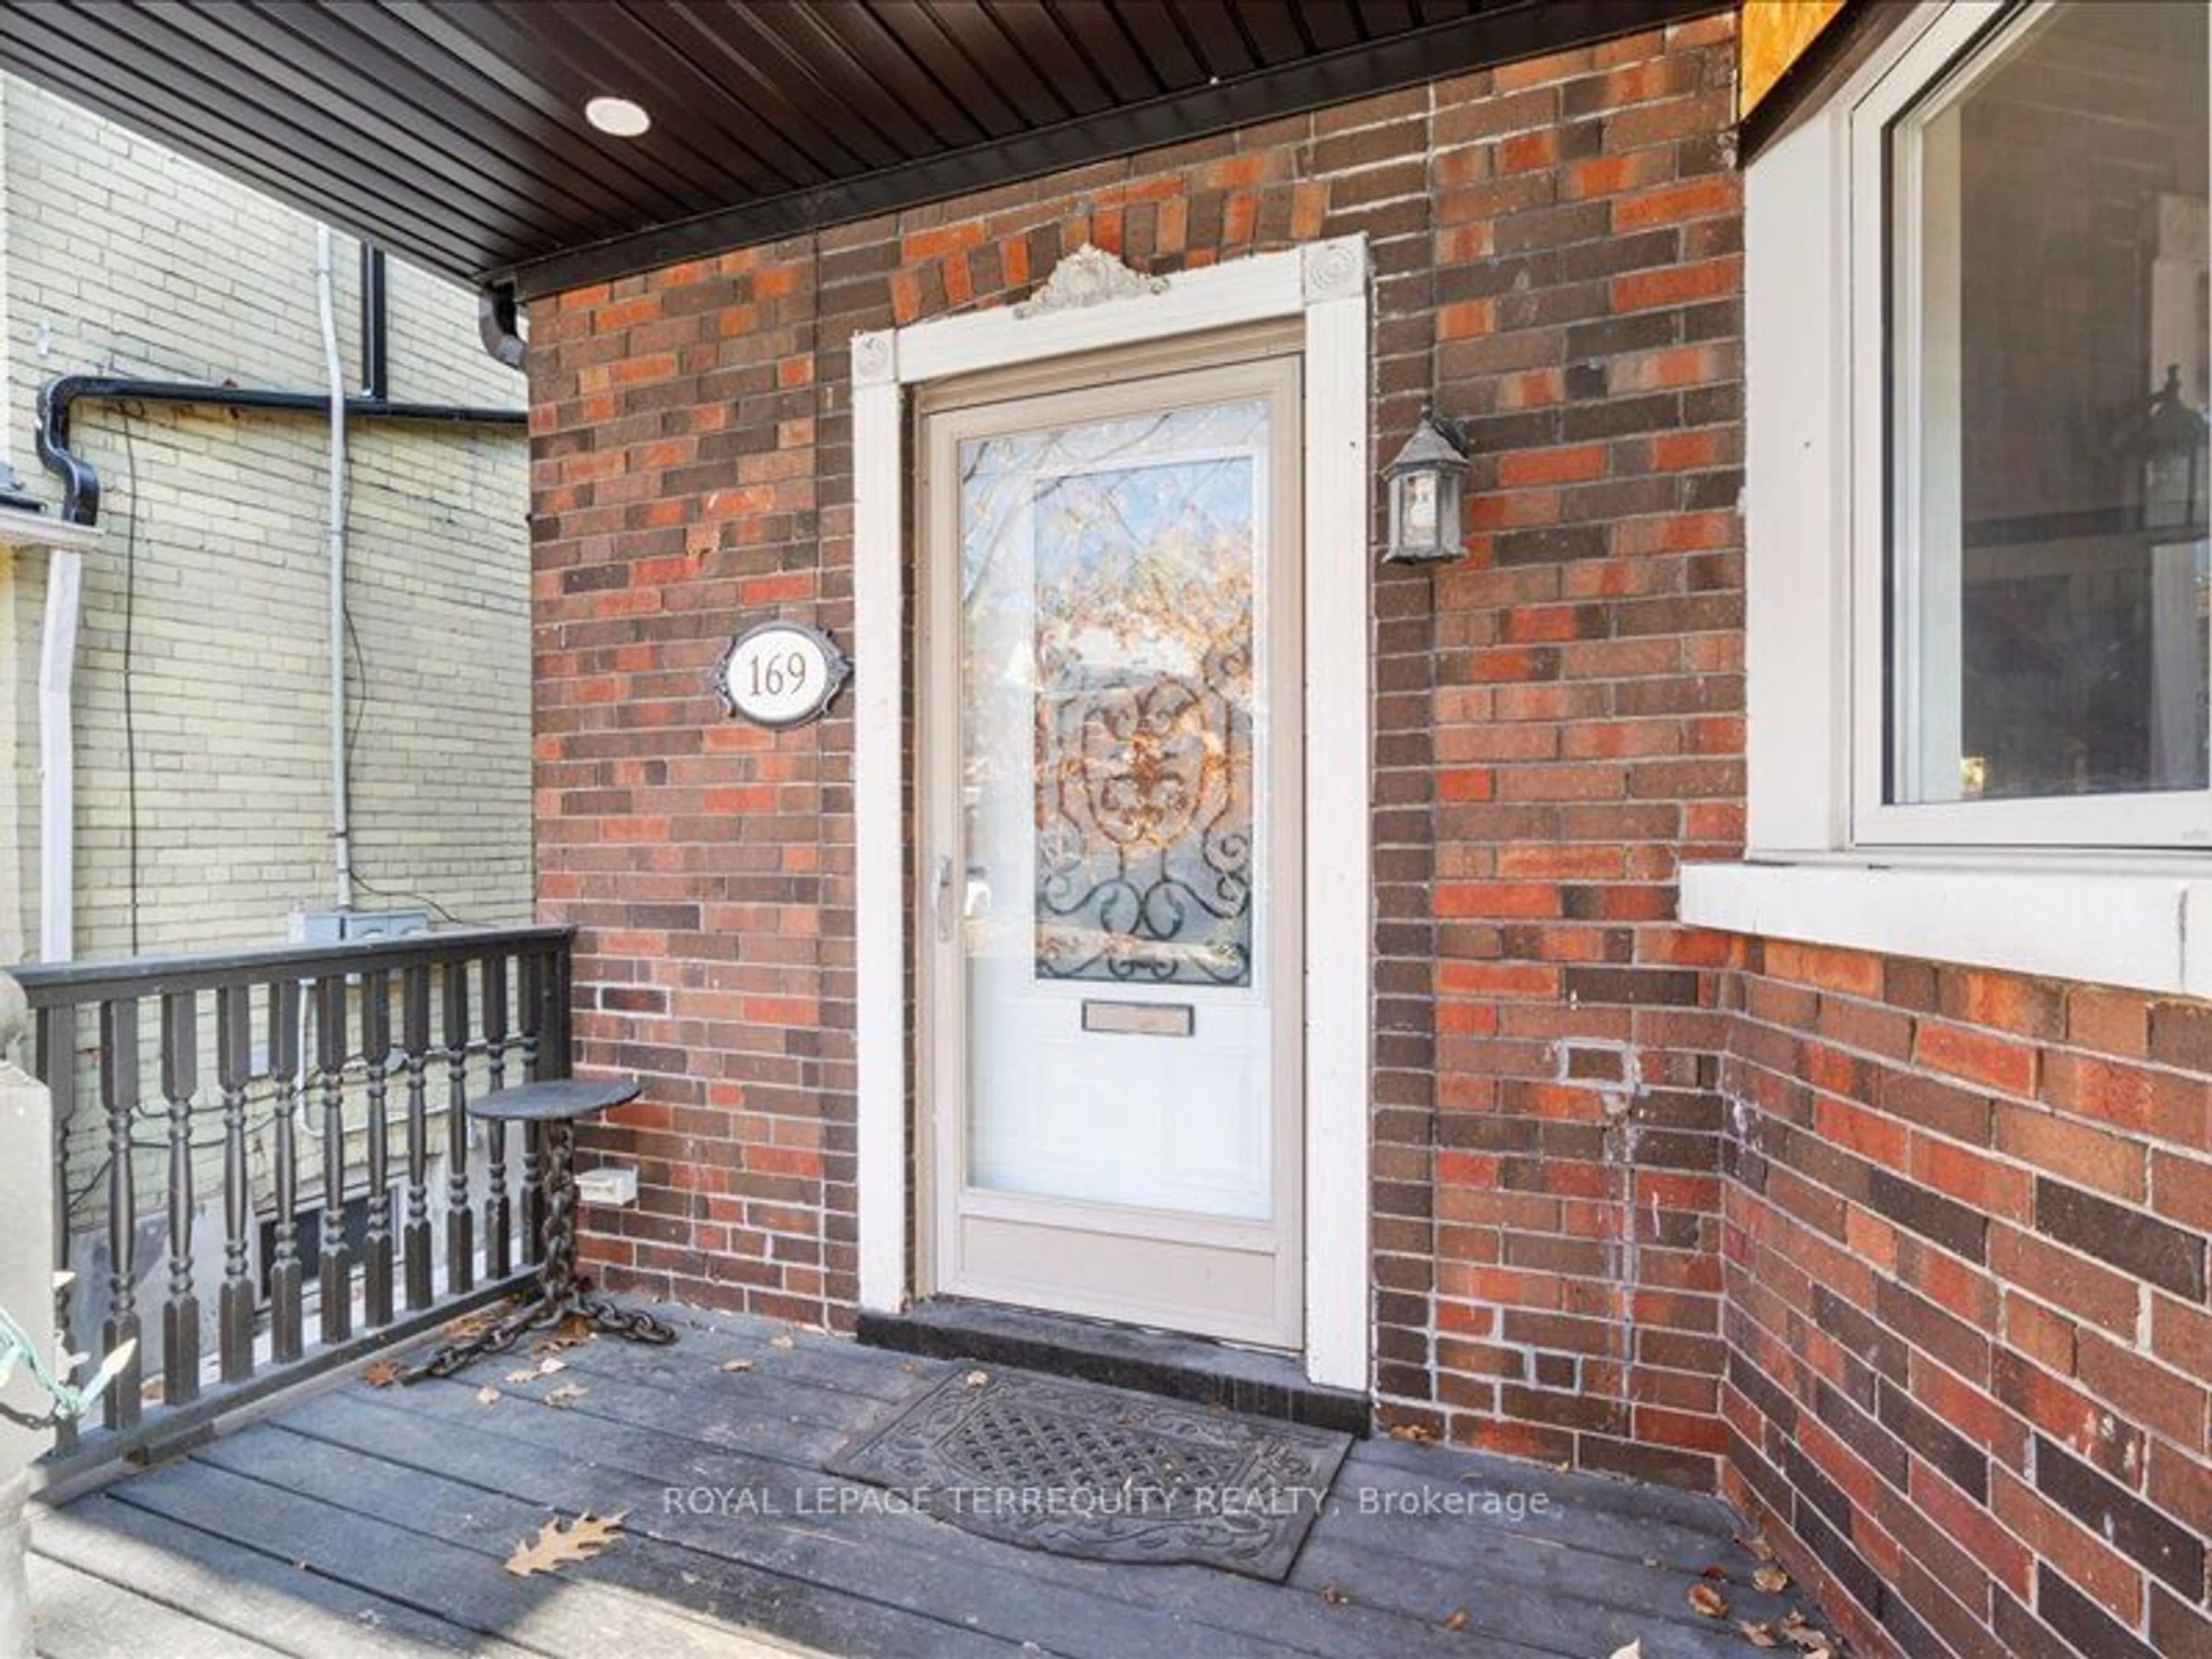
1428,481
2170,441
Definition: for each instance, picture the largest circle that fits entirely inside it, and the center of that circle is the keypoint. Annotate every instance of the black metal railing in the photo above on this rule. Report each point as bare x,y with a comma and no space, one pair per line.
288,1145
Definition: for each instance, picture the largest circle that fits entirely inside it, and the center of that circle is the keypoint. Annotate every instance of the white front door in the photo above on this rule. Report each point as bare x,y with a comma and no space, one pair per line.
1112,863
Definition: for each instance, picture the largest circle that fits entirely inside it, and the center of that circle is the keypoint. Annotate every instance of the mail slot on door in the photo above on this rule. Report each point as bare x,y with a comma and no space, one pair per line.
1139,1019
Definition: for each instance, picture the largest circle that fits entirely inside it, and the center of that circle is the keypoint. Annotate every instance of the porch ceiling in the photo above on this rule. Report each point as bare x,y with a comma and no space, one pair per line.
452,132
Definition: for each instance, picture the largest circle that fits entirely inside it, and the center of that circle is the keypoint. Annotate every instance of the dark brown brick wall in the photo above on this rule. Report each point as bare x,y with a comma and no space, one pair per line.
1969,1347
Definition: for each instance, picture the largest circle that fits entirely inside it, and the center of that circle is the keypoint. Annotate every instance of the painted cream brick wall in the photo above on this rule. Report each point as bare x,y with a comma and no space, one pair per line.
117,257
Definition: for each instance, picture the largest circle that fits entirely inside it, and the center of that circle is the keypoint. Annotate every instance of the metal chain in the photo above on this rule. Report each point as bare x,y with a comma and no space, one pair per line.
562,1294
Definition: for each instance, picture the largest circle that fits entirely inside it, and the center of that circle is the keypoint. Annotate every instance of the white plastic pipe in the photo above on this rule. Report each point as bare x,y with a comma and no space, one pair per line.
57,757
334,364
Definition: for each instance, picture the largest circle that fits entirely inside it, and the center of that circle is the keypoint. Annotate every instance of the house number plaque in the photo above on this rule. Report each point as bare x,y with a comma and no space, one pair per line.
780,674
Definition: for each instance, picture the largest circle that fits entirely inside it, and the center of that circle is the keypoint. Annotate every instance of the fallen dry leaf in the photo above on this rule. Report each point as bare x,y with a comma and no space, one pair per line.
1759,1634
736,1365
1458,1620
1772,1579
474,1324
1717,1572
573,1331
1334,1596
544,1368
1705,1600
557,1544
1633,1651
780,1340
382,1374
564,1396
974,1379
1816,1641
1419,1434
486,1395
1758,1546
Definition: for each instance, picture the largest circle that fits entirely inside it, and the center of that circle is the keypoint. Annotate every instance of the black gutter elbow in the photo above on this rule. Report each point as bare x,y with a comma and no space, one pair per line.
498,323
496,316
80,484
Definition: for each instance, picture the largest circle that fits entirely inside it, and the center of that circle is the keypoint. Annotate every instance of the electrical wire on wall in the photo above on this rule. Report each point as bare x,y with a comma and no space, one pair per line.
359,713
346,637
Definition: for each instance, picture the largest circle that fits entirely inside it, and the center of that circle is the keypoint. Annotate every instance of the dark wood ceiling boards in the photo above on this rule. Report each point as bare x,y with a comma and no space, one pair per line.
452,130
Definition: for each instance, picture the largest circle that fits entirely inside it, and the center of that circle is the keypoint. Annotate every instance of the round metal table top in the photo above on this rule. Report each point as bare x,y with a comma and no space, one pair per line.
555,1098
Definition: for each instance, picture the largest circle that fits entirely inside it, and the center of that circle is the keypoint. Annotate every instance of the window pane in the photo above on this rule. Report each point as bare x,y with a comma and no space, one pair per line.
2049,572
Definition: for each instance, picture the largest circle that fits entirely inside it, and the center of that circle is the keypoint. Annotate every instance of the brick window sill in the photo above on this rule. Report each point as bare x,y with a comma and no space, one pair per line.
2148,930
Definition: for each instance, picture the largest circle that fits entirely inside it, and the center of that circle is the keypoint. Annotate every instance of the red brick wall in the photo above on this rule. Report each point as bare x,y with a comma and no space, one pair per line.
1586,735
1556,242
1969,1349
688,476
1909,1259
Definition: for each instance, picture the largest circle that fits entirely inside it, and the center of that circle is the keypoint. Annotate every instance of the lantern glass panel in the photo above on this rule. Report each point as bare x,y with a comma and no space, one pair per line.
1417,522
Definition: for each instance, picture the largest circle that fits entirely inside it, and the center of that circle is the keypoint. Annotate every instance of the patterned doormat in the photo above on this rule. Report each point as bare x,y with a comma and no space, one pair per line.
1102,1473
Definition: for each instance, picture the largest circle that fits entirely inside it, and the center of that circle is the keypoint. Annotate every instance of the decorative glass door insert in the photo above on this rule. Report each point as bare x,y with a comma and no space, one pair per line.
1140,600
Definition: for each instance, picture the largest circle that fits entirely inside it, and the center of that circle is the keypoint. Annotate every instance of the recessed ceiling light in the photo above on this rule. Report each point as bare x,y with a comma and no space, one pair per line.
618,116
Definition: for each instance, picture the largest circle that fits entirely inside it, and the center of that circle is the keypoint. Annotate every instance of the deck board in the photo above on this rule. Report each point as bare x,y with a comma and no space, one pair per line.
81,1616
811,1553
374,1521
907,1555
279,1603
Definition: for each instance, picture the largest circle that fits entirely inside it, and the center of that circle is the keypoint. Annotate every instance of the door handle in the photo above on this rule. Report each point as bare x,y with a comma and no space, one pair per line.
943,900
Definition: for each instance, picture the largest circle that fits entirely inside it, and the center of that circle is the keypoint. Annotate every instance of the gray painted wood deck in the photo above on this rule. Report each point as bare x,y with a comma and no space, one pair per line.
376,1522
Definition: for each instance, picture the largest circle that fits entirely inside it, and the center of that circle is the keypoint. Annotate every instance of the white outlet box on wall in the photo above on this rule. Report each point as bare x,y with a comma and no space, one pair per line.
611,1183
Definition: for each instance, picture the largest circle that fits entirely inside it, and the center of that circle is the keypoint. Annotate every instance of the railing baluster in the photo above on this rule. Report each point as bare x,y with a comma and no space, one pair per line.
414,1041
531,996
336,1258
209,1089
376,1057
57,1064
460,1218
118,1096
285,1272
181,1312
555,1054
499,1211
233,1065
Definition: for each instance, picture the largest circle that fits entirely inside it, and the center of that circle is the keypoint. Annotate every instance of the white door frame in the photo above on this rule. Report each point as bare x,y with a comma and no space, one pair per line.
1093,302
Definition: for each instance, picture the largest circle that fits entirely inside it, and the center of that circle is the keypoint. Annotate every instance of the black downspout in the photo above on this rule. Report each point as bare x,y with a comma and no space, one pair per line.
375,331
81,484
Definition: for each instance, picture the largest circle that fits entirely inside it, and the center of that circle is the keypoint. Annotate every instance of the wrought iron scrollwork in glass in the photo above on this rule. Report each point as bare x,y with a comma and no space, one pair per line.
1143,710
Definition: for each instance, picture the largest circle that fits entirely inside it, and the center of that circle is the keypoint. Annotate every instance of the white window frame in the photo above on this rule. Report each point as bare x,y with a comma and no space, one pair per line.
2085,895
1324,285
